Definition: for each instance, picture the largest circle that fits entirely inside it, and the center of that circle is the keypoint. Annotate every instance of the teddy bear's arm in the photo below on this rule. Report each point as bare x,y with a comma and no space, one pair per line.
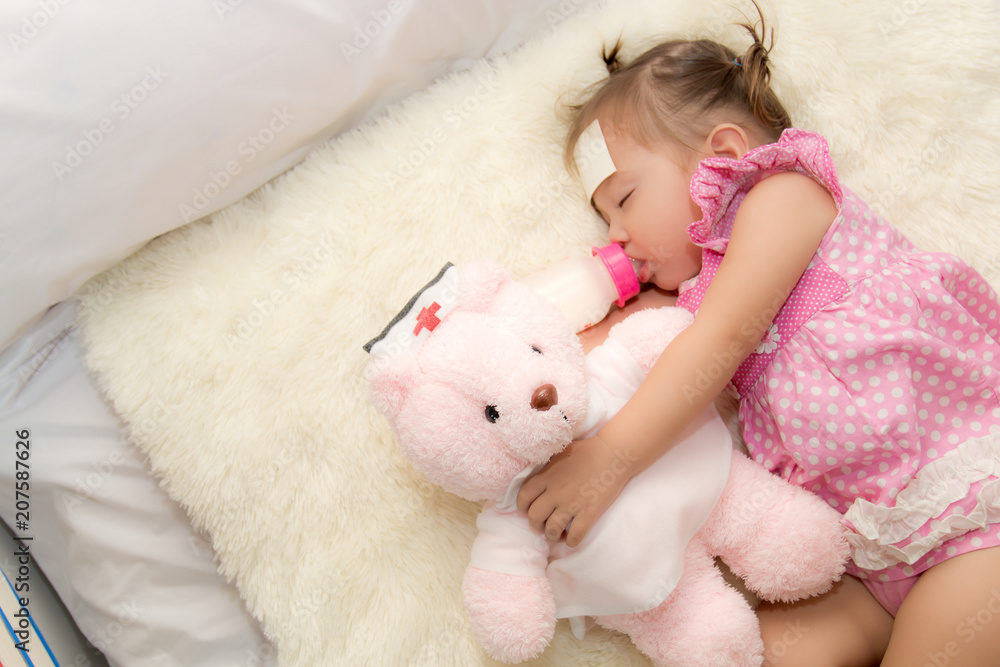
507,595
645,334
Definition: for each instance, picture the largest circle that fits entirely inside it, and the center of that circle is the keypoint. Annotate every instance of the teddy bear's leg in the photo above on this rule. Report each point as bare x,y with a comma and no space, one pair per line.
784,541
703,623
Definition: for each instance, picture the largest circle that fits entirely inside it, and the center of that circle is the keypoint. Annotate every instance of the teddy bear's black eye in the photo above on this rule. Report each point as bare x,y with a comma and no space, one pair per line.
492,414
535,350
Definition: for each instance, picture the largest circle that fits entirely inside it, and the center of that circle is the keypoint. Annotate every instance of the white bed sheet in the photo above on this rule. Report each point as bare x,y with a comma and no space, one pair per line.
122,556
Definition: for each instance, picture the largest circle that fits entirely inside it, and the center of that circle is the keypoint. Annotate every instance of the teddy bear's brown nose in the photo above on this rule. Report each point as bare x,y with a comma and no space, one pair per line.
544,398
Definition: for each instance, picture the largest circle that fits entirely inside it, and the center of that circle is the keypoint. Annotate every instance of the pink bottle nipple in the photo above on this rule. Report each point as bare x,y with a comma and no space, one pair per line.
622,269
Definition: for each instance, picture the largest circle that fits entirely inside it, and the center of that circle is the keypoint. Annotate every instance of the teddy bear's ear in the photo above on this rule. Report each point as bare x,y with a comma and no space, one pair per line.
388,382
479,281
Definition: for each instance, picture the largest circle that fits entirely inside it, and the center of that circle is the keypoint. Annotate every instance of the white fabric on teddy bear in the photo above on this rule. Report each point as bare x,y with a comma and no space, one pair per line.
632,557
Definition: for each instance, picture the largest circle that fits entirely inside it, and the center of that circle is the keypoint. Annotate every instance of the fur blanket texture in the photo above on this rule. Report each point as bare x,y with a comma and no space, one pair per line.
231,347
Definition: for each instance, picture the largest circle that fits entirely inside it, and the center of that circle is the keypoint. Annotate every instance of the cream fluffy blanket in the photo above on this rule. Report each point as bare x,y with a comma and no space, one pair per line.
232,347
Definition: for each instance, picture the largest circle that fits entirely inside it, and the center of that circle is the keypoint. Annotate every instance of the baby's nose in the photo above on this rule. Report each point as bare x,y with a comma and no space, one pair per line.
617,234
544,398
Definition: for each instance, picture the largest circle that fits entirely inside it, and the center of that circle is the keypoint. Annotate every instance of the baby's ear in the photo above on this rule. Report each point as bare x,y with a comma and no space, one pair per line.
479,281
388,383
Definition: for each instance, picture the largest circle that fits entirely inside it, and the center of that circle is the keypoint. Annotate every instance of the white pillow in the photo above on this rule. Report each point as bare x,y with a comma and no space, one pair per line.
122,121
119,123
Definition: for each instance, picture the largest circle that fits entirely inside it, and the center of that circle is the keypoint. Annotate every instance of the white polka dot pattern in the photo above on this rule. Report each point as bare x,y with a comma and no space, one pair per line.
882,360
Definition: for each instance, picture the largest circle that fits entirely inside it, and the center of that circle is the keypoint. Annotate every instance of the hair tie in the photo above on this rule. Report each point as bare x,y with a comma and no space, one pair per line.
737,61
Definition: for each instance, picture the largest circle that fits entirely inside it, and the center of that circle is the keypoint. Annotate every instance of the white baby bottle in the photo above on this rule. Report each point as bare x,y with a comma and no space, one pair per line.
584,288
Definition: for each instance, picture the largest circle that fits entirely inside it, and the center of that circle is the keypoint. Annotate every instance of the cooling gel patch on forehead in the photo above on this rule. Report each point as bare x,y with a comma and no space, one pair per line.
592,158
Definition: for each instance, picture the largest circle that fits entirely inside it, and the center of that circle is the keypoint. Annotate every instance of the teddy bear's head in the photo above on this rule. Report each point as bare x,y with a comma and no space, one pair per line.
493,386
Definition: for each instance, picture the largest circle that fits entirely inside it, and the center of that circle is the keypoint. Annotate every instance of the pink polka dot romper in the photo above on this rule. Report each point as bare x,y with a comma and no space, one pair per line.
876,386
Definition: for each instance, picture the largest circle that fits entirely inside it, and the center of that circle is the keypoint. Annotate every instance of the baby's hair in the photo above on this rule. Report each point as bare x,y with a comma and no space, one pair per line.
676,90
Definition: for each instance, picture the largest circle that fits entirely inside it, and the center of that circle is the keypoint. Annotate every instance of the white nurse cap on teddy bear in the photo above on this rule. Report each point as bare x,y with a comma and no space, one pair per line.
418,318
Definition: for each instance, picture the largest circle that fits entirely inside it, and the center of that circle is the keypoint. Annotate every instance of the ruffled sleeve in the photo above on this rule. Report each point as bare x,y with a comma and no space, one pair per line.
719,182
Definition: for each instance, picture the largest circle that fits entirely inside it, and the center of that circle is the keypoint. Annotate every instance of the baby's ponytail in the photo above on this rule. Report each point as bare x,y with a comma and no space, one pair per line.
679,89
755,72
612,59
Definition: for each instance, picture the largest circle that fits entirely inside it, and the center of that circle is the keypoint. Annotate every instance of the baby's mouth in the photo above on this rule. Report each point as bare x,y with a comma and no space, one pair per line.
644,272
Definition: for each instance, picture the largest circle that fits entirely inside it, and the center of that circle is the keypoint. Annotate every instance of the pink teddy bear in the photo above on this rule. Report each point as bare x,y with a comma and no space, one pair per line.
483,381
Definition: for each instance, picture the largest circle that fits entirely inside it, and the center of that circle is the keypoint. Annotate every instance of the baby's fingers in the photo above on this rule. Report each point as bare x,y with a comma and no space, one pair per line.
556,525
533,487
578,529
540,512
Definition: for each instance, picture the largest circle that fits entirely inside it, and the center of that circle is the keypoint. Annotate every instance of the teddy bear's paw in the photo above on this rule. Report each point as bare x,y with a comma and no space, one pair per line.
512,616
645,334
808,570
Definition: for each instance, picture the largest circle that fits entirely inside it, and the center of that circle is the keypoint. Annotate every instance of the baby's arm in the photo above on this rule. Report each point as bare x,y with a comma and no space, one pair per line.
775,234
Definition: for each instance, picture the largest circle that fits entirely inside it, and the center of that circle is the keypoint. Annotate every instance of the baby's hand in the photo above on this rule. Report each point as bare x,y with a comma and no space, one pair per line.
576,486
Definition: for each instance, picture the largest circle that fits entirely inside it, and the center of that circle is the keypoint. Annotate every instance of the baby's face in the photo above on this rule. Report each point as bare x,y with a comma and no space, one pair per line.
648,207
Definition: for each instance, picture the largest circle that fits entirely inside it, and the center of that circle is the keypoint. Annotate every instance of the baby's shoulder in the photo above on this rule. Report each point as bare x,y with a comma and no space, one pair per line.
791,187
788,196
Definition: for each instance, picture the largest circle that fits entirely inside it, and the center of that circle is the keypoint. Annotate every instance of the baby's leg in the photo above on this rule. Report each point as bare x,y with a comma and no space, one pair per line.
845,626
952,615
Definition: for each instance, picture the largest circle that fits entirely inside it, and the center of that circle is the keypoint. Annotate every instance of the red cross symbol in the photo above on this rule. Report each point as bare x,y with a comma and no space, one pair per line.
427,318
